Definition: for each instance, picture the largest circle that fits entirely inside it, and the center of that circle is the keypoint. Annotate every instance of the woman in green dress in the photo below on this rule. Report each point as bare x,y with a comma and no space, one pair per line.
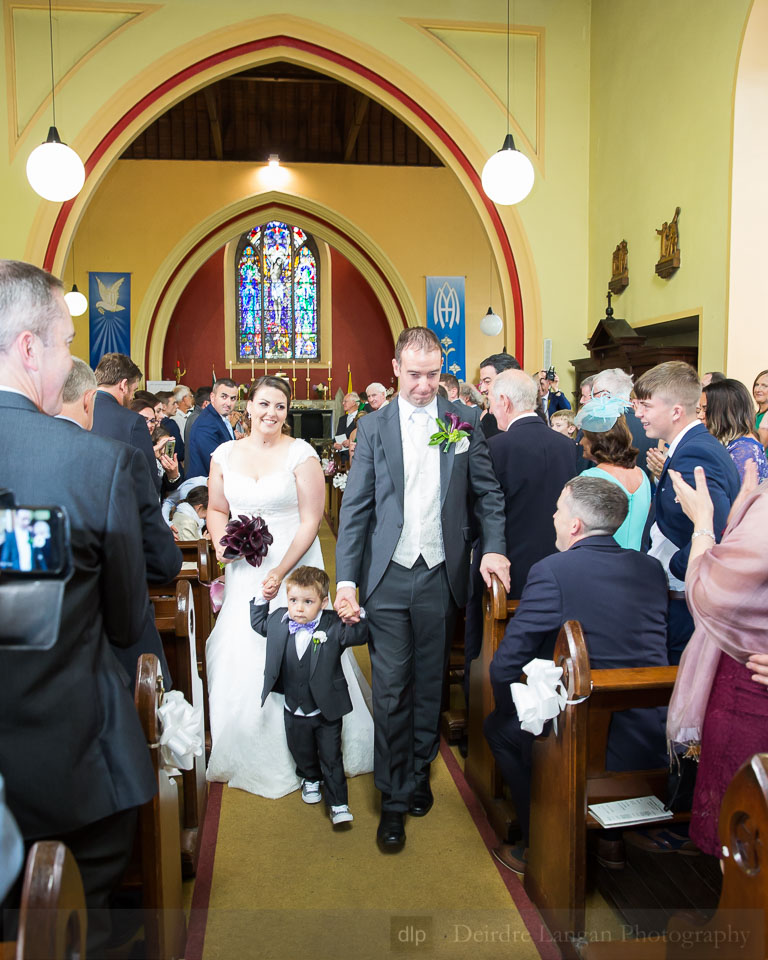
760,393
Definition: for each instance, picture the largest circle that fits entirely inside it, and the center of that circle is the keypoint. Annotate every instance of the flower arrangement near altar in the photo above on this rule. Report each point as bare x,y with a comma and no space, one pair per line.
340,481
247,538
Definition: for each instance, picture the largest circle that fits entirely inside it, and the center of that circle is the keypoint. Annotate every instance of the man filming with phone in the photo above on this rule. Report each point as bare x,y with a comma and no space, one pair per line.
72,751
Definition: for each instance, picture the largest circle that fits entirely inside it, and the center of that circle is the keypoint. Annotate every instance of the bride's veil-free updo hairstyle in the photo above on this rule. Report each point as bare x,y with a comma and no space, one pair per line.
277,383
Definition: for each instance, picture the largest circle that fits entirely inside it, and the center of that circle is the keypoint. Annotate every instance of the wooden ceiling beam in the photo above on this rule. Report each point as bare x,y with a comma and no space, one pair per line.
213,116
358,116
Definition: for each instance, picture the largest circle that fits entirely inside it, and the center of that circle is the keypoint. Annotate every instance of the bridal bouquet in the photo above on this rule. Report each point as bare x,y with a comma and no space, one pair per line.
246,537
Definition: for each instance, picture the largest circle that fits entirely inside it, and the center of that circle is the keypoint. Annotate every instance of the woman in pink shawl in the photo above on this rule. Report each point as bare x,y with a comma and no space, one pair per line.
717,706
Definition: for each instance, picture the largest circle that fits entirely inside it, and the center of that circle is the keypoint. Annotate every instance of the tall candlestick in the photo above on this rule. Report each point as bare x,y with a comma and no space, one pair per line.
265,366
230,369
252,377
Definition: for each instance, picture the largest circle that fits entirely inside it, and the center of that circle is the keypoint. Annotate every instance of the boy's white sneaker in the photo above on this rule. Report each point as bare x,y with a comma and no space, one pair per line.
341,814
310,791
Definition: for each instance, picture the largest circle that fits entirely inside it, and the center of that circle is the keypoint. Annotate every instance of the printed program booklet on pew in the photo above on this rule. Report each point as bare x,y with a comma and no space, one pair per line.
627,813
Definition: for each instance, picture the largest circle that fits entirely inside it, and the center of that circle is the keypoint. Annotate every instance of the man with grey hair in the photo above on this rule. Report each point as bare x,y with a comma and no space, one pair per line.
185,401
72,750
347,423
376,394
620,599
79,395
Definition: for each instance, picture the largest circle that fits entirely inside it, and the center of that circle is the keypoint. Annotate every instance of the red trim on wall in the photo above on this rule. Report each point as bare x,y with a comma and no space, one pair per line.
143,106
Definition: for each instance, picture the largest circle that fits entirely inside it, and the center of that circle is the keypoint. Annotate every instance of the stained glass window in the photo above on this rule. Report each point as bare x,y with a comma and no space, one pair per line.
277,294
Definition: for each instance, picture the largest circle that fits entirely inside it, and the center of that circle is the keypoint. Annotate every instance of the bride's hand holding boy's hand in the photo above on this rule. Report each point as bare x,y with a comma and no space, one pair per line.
270,586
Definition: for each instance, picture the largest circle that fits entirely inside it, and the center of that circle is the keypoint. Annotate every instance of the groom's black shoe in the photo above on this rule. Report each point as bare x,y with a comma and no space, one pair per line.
422,799
391,834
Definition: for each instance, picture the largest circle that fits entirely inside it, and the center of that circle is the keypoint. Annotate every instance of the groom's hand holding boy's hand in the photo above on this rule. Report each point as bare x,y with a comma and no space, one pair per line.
346,604
495,563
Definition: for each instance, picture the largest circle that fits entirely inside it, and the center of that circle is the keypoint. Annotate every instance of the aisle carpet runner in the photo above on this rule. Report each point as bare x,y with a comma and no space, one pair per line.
275,880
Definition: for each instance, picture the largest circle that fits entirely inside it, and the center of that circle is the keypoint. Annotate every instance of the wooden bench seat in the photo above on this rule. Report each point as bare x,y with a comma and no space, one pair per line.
739,928
568,774
52,917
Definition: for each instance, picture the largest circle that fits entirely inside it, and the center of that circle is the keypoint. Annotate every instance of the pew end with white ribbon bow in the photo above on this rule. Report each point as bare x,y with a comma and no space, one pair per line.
541,698
180,740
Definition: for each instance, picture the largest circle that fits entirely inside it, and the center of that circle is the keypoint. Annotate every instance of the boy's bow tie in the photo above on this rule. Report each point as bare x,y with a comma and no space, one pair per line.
293,627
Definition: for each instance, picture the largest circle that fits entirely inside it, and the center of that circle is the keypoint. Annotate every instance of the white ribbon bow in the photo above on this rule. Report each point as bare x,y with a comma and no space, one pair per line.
180,739
542,698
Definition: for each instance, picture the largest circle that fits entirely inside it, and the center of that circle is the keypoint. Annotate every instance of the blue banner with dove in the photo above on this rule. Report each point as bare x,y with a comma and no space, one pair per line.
109,314
445,315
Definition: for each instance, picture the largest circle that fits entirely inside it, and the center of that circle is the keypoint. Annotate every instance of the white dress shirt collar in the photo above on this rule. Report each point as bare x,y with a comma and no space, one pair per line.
407,409
676,442
521,416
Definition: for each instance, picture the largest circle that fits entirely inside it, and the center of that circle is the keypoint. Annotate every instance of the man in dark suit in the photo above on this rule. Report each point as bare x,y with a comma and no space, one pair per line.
202,400
667,397
619,597
118,376
551,397
347,424
161,555
404,540
532,463
72,750
211,429
490,368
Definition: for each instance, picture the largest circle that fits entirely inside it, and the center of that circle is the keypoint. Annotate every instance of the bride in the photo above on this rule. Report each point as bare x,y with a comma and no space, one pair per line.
278,478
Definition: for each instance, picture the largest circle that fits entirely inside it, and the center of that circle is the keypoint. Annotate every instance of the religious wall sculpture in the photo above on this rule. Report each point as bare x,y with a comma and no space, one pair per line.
619,269
669,258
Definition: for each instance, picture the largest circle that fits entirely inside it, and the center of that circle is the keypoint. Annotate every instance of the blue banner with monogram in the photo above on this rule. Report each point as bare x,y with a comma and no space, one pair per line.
109,314
445,315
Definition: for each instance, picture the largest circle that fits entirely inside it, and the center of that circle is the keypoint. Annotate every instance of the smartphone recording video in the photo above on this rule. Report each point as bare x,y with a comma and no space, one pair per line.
33,541
170,448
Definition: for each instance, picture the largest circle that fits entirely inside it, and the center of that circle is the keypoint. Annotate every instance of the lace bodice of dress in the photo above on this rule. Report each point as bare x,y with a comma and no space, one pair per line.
273,496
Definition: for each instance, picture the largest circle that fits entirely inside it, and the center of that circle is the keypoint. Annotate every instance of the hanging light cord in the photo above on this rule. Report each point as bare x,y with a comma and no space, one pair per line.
50,33
507,64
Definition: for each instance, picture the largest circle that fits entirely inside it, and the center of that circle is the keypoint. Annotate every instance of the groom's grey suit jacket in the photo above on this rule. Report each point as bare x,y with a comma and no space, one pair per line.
372,507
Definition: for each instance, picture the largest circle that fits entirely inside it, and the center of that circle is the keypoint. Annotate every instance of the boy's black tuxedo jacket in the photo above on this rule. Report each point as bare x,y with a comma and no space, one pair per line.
327,683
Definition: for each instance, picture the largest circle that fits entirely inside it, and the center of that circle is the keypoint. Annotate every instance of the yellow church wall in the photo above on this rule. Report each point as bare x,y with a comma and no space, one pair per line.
546,231
662,87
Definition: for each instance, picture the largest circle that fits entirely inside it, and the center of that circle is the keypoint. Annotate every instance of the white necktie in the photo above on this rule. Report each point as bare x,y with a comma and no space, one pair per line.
420,422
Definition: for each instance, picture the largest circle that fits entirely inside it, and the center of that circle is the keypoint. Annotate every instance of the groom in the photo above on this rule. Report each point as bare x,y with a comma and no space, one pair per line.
404,541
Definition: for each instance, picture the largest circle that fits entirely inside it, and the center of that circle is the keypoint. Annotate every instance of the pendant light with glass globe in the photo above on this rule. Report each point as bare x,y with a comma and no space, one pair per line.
508,175
54,171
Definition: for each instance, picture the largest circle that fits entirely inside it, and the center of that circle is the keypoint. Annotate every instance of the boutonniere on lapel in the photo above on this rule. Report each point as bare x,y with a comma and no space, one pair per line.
452,430
318,637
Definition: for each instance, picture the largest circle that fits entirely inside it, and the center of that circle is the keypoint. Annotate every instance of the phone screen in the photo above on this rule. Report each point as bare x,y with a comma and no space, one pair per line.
170,448
33,541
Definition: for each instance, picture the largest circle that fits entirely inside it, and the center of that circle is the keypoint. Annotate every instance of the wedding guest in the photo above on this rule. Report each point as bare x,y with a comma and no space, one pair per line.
717,711
118,376
451,385
667,397
585,389
606,440
202,399
72,751
348,422
79,395
376,396
620,598
469,394
167,468
189,515
760,393
185,401
728,413
713,377
211,429
550,395
490,368
562,422
305,642
615,382
168,423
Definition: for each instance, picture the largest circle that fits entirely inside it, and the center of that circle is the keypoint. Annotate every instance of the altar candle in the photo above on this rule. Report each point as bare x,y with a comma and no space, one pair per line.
230,369
265,366
252,368
294,369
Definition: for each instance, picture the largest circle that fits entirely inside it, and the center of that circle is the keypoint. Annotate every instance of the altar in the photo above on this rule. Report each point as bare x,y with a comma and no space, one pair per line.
311,419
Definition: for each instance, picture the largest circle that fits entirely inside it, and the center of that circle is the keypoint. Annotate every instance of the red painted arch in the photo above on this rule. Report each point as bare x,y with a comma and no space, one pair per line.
144,105
253,211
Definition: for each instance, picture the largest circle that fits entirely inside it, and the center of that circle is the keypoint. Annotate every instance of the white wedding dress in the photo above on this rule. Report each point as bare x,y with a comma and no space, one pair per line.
249,749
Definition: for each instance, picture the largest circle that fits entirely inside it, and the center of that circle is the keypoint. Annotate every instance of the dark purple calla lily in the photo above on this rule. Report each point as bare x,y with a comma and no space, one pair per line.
455,423
247,537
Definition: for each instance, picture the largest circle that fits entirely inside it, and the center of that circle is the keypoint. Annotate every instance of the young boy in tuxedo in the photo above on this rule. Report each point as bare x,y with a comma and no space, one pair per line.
305,642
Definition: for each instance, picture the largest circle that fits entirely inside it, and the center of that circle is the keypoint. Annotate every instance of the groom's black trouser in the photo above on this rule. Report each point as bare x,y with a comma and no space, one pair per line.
410,615
315,745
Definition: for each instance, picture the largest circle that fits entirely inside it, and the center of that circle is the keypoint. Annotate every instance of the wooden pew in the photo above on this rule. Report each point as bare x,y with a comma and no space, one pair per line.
739,928
568,773
52,919
480,768
164,921
175,620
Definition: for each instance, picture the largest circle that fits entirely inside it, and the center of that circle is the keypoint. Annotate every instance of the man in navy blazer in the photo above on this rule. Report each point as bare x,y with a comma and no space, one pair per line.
211,429
620,598
118,376
667,397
